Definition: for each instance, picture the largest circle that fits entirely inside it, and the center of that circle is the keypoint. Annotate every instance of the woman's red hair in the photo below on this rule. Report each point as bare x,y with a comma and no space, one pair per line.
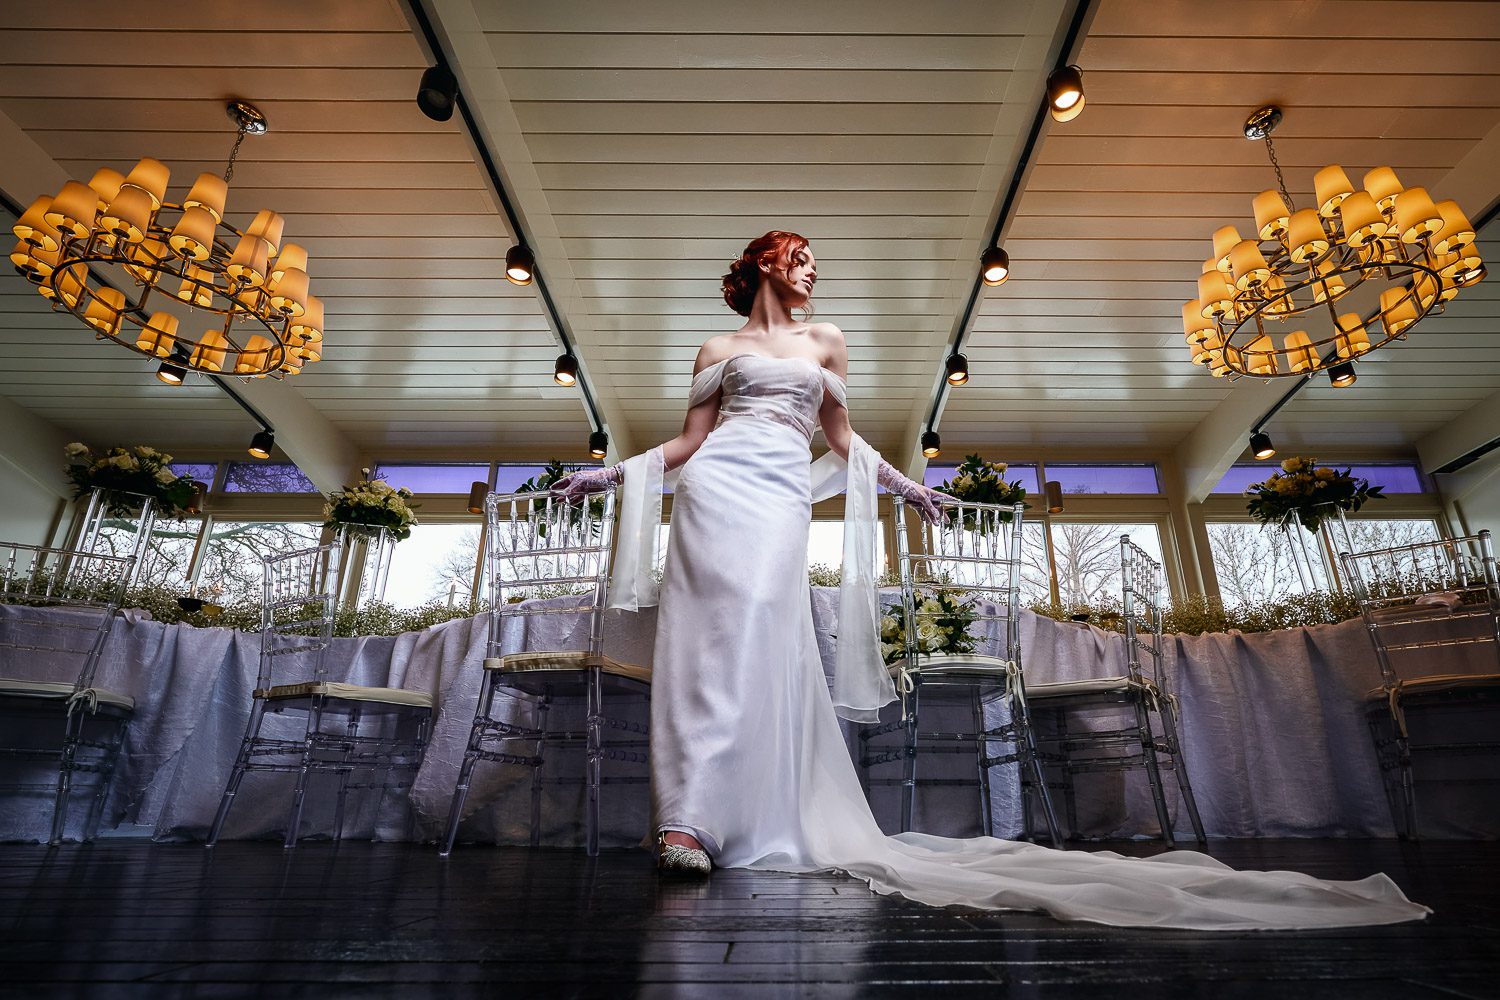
744,274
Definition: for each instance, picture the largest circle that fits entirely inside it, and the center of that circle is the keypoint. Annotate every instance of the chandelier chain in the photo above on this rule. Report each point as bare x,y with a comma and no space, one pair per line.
243,130
1280,180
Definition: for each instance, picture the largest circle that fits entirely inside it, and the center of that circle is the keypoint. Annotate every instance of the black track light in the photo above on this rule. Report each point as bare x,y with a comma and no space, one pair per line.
262,443
1065,93
958,369
1261,446
1053,491
170,373
932,445
437,93
994,266
598,444
477,492
520,265
1341,375
565,370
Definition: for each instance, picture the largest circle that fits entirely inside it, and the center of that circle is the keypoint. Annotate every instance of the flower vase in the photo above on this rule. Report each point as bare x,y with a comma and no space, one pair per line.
103,516
1314,552
365,552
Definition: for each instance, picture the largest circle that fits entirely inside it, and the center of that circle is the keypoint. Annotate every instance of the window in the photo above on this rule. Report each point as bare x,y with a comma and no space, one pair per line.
203,472
266,477
436,563
1396,477
433,478
508,478
168,554
936,474
1256,563
1132,478
825,545
1036,565
1088,558
233,551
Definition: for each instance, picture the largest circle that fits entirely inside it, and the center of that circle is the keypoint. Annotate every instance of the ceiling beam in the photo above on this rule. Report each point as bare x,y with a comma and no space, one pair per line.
520,198
323,452
1473,430
1020,128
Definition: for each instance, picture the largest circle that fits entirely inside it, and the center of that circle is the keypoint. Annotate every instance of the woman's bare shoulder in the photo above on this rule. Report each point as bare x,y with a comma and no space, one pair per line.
714,350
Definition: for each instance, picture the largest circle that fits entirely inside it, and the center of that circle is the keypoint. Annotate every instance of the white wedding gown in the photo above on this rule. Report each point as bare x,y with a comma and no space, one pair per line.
746,751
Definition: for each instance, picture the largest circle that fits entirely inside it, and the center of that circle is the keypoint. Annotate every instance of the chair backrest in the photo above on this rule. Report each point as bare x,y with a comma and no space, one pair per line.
972,555
1421,598
539,546
110,526
299,600
1141,586
86,588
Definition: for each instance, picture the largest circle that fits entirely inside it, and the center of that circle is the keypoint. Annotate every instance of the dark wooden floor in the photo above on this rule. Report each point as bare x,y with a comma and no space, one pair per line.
134,919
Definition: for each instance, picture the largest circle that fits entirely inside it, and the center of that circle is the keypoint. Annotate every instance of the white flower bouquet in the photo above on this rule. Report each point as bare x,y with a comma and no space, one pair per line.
943,619
368,506
978,481
118,471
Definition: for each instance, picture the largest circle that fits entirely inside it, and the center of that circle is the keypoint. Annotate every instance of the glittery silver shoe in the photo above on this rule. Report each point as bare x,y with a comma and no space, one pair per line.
674,859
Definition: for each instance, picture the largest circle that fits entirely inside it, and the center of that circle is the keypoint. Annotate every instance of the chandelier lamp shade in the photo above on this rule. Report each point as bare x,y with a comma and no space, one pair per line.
1277,301
241,296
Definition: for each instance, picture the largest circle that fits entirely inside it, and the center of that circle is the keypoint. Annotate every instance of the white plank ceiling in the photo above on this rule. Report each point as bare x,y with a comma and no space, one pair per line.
644,144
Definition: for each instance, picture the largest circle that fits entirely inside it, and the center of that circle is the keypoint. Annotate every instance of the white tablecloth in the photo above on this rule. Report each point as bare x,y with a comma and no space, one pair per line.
1273,725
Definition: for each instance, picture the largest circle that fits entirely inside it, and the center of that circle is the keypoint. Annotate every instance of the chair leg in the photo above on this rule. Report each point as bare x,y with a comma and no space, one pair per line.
539,763
1070,793
241,763
1407,788
299,792
106,779
1153,770
338,810
1026,744
1179,765
982,758
595,750
482,716
72,734
909,761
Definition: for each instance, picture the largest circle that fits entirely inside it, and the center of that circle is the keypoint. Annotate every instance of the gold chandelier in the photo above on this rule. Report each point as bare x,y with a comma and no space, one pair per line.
255,285
1302,262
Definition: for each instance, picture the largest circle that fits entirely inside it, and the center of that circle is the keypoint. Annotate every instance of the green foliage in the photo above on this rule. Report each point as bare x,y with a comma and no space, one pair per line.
551,473
978,481
942,621
1305,492
1198,614
139,470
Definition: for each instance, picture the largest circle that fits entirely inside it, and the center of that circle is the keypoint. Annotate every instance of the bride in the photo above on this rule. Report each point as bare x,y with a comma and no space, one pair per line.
748,766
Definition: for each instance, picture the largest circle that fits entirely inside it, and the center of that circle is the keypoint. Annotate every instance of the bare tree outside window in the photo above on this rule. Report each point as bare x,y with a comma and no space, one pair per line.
232,560
266,477
1254,563
1088,558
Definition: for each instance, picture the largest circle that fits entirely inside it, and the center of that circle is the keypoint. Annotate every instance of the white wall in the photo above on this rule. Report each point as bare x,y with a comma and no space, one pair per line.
27,509
1473,494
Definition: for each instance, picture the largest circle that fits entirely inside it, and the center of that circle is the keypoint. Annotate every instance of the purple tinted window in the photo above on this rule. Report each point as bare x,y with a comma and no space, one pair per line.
201,471
937,474
1139,478
1400,477
266,477
508,478
433,478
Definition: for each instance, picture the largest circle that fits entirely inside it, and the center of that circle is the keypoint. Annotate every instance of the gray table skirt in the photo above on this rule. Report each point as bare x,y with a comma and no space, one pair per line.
1273,726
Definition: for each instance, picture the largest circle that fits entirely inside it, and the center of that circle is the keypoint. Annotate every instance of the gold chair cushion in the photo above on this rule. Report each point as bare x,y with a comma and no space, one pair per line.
1437,683
61,691
954,664
577,659
1092,685
348,692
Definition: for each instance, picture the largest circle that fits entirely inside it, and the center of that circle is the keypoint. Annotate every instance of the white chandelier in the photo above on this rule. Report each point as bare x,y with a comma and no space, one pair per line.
1299,263
270,325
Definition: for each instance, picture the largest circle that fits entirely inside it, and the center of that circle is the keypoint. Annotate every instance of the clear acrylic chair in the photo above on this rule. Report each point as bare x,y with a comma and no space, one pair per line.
61,604
538,547
1424,604
974,554
350,729
1128,721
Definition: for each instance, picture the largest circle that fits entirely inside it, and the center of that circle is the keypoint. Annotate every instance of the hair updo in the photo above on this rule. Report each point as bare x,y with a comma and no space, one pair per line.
743,278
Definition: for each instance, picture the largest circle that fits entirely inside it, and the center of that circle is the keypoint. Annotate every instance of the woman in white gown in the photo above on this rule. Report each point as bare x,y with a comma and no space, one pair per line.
748,765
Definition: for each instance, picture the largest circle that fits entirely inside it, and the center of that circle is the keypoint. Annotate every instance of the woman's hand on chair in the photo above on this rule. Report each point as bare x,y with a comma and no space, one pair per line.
927,502
586,481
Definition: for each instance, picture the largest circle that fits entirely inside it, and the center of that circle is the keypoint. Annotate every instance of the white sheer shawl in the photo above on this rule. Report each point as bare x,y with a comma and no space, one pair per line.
861,684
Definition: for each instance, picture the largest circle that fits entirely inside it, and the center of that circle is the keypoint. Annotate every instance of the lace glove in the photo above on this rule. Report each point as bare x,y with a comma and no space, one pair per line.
926,501
586,481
